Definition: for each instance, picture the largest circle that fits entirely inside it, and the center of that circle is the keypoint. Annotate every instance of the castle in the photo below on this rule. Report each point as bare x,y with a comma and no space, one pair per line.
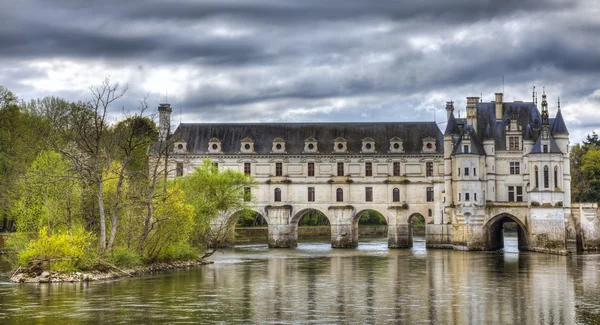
505,161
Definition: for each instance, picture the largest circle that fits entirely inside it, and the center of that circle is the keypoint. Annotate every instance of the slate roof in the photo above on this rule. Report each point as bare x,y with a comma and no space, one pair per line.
553,148
451,126
559,126
475,146
263,134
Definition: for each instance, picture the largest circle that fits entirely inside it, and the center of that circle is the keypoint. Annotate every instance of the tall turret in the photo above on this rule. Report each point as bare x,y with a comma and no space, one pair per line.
164,120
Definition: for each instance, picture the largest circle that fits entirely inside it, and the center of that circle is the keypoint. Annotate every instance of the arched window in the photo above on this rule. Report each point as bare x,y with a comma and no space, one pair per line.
339,195
277,195
396,195
546,177
537,180
555,176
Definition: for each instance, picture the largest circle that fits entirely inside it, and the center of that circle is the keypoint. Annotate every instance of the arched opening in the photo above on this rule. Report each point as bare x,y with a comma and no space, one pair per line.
313,226
416,226
506,232
372,227
249,226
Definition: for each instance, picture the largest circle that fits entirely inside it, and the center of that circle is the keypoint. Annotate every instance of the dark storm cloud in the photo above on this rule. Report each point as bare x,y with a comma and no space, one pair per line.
312,60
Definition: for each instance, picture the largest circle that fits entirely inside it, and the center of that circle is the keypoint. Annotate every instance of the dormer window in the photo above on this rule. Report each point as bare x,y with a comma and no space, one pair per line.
179,146
214,145
466,148
396,145
429,145
368,145
340,145
247,145
278,146
310,145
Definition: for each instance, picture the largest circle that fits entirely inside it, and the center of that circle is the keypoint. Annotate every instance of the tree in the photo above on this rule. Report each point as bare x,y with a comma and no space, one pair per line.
215,196
583,186
85,128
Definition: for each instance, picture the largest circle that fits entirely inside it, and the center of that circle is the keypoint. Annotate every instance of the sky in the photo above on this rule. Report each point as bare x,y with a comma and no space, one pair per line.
308,60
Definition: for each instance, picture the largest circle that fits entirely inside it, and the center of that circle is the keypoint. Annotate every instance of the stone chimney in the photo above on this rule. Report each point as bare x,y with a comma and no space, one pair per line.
499,106
449,109
164,120
472,111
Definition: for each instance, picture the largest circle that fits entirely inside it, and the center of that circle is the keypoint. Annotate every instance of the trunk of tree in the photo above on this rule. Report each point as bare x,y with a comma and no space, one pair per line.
102,216
147,224
115,211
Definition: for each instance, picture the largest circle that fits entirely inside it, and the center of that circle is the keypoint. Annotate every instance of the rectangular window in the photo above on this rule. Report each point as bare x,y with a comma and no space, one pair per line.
369,194
466,171
278,169
459,171
247,168
340,169
511,193
459,197
546,177
396,195
311,169
545,148
467,198
429,168
515,193
474,171
514,143
465,149
555,177
397,168
179,169
474,196
311,194
515,167
430,194
368,169
247,194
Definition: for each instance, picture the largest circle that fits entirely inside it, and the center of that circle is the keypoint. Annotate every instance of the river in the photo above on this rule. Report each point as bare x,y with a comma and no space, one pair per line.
251,284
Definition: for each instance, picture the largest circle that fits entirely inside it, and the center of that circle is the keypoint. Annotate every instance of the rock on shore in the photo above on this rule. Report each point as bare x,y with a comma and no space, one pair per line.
24,275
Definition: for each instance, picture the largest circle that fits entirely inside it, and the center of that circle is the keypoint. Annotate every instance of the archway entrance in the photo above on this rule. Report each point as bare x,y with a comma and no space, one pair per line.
416,228
372,226
313,226
506,232
249,226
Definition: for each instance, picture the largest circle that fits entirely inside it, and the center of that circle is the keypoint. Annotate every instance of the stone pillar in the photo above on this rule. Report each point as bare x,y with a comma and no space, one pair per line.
438,236
399,231
282,234
344,231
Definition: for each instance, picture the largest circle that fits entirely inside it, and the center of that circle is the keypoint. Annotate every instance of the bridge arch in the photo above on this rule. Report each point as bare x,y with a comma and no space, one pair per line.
358,215
297,217
494,231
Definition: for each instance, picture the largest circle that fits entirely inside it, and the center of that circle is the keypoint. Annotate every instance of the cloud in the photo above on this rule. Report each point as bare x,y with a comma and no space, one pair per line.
280,60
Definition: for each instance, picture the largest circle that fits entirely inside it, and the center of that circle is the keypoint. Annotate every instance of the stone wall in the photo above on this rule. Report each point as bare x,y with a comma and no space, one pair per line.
308,232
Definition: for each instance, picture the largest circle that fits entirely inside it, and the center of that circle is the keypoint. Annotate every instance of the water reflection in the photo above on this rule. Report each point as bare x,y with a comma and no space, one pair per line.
318,284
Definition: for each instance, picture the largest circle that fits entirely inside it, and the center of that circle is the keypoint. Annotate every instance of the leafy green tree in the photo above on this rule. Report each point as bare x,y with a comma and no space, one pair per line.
215,196
583,185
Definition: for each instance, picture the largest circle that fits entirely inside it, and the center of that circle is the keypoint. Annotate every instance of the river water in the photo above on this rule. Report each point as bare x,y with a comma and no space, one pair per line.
251,284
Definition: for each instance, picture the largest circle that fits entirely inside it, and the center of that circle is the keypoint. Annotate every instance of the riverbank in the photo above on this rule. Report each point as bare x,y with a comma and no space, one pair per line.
37,275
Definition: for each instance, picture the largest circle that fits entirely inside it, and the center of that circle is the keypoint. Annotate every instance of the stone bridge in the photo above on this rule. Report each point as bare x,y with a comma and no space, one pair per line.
542,229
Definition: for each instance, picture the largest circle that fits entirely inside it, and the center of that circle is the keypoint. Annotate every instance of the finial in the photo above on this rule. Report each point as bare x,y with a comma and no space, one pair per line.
544,91
481,97
558,102
533,94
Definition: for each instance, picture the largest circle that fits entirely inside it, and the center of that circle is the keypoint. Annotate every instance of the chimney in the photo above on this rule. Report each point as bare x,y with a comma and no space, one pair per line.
472,111
449,109
164,120
498,106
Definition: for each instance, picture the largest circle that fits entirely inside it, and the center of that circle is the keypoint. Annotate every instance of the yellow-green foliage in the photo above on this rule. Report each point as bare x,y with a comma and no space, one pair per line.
173,225
49,197
124,257
60,250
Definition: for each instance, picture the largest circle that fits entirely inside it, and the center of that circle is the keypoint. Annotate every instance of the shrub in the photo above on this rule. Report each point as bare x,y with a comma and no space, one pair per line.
59,250
124,257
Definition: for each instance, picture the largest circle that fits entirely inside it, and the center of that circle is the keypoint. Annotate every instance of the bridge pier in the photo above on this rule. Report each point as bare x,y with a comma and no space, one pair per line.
400,236
282,233
344,230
